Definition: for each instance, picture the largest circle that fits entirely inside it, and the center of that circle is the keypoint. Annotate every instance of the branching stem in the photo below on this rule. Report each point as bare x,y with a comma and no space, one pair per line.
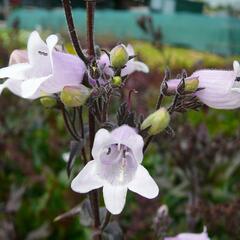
67,122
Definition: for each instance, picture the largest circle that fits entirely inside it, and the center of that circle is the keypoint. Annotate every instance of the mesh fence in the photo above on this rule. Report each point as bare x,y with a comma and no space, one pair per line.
213,34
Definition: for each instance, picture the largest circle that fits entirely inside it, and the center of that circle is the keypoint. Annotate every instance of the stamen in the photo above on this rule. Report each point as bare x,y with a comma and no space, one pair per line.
42,53
124,153
122,169
109,151
119,146
127,154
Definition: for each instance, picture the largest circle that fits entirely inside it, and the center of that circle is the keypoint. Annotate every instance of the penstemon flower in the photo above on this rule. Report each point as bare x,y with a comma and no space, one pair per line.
220,88
116,167
190,236
46,71
18,56
131,66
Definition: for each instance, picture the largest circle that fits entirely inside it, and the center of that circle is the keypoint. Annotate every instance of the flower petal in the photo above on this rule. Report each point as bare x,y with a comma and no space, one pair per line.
122,133
215,81
141,67
230,100
13,85
30,87
102,138
236,68
18,56
128,136
36,47
16,71
173,84
133,66
114,198
2,86
38,55
51,43
136,143
104,64
74,71
86,180
143,184
192,236
130,50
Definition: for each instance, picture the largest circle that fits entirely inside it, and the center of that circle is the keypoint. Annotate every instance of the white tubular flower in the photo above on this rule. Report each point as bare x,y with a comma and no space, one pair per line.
220,88
46,71
116,167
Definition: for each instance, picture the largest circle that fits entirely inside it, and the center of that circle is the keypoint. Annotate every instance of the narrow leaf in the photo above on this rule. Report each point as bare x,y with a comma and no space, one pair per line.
71,213
75,149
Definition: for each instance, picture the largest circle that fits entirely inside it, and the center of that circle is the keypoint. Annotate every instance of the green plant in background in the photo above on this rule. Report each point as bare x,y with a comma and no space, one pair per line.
177,58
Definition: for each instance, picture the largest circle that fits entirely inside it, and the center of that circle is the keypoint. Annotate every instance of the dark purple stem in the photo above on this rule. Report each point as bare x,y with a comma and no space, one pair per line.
73,35
91,119
90,28
106,220
81,127
68,124
150,138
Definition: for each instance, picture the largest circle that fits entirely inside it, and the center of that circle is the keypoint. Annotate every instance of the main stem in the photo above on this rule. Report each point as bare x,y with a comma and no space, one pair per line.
76,44
91,5
91,120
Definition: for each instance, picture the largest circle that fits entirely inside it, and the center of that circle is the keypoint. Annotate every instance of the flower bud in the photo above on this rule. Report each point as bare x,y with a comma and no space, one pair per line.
117,81
191,85
48,102
156,122
75,96
162,211
119,56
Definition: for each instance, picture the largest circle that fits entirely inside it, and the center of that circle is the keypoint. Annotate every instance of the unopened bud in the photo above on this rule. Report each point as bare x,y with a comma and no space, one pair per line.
191,85
162,211
75,96
48,102
119,56
117,81
156,122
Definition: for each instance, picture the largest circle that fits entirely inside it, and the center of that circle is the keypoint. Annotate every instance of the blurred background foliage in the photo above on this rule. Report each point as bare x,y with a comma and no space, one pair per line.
197,170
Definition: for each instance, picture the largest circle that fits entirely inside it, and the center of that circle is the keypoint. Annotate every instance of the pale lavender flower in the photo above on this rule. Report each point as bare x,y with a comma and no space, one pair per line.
116,167
18,56
221,88
131,66
46,71
190,236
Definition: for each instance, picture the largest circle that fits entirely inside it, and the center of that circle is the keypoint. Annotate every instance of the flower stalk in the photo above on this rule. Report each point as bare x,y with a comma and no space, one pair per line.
90,5
76,44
